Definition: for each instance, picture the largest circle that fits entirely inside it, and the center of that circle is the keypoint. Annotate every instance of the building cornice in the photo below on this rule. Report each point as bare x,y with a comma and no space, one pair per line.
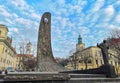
86,49
4,26
4,41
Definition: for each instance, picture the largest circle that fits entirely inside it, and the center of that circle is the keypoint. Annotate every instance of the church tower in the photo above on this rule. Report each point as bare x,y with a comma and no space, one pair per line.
28,48
80,46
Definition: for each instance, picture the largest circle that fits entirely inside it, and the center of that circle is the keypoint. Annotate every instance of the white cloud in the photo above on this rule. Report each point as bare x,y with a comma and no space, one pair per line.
25,9
35,16
98,5
21,4
4,12
118,2
64,22
14,33
61,2
111,26
7,14
14,30
23,22
26,23
117,19
109,11
8,21
14,15
83,30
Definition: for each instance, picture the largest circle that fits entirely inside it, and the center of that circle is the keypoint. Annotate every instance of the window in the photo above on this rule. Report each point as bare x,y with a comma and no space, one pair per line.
100,53
96,61
0,32
89,61
6,50
101,61
3,50
80,61
111,63
115,63
1,59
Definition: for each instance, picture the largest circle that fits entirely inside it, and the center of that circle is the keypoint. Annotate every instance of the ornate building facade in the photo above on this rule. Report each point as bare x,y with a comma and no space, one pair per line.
7,52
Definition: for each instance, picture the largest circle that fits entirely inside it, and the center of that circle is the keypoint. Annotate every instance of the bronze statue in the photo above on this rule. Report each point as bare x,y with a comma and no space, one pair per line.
104,48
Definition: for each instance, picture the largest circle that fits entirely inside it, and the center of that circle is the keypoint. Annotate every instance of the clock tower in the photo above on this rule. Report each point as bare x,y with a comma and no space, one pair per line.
80,46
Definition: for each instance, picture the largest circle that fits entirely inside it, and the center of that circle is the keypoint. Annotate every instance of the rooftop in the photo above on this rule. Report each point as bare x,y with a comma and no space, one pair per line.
2,25
22,55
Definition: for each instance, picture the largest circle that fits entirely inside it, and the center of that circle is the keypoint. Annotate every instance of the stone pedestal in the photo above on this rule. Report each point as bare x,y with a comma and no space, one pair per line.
36,76
54,77
109,70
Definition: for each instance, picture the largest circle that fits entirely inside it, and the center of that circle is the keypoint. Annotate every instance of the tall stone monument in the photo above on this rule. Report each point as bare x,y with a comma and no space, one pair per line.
45,59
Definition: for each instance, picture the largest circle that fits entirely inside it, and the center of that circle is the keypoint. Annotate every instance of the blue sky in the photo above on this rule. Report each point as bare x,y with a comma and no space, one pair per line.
93,19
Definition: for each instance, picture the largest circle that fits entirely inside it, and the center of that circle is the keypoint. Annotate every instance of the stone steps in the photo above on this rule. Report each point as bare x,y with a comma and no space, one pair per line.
92,78
87,76
55,77
35,76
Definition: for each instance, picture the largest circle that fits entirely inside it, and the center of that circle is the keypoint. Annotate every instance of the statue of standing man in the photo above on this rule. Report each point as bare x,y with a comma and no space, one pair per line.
107,68
104,48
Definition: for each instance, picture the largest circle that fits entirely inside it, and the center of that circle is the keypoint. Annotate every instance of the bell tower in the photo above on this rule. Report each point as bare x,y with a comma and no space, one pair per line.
79,40
80,46
28,48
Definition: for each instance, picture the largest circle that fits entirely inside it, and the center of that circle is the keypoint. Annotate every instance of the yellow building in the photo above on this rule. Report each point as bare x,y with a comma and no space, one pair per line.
91,57
7,52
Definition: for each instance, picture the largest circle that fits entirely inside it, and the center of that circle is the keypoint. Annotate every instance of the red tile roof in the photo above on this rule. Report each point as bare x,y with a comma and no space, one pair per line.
22,55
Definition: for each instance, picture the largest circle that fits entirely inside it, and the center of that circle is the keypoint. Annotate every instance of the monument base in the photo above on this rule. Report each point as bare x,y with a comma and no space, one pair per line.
108,70
49,66
35,76
54,77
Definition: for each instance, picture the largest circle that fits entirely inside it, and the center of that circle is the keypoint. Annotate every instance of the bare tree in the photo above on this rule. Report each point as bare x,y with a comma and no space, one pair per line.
22,47
62,61
114,43
86,60
26,62
115,39
30,63
74,60
78,57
